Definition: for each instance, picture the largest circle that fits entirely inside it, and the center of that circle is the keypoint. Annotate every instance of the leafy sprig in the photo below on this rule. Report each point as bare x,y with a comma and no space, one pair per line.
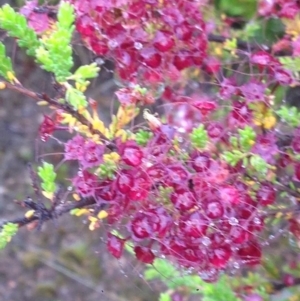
7,232
16,26
199,137
48,176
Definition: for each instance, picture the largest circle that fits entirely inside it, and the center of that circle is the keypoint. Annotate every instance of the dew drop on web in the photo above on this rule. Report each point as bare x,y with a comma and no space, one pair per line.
206,241
138,45
256,221
233,221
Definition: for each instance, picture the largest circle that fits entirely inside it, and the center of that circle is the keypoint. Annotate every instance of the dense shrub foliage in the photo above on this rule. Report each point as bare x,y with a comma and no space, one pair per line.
212,175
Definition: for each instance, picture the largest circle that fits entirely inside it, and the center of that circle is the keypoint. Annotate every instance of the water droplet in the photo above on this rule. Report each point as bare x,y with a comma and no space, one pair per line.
99,61
138,45
271,236
70,188
233,221
206,241
256,221
236,265
112,44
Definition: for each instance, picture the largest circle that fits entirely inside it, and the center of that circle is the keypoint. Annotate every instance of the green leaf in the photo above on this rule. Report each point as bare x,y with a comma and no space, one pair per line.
251,29
199,137
164,297
234,141
259,164
55,51
230,44
74,211
161,269
141,90
107,170
86,71
233,157
75,97
142,137
48,176
8,230
290,63
65,15
241,8
6,65
16,26
247,137
219,291
290,115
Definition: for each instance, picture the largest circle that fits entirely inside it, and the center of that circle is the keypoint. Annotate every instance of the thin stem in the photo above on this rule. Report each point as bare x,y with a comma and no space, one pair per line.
63,106
56,212
246,46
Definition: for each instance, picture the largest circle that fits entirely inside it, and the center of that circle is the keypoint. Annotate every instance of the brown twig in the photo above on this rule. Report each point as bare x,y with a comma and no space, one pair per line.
62,106
247,46
242,45
56,212
279,286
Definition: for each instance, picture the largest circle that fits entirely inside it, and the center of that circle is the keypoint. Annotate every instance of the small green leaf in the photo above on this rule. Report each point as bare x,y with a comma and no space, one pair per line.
234,141
142,90
290,115
232,158
75,97
16,26
8,230
230,44
142,137
86,71
65,15
290,63
165,297
6,65
199,137
107,170
48,176
74,211
247,137
55,51
259,164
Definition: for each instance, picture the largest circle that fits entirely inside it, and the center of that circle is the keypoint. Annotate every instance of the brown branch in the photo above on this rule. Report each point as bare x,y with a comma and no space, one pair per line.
279,286
63,106
56,212
242,45
247,46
